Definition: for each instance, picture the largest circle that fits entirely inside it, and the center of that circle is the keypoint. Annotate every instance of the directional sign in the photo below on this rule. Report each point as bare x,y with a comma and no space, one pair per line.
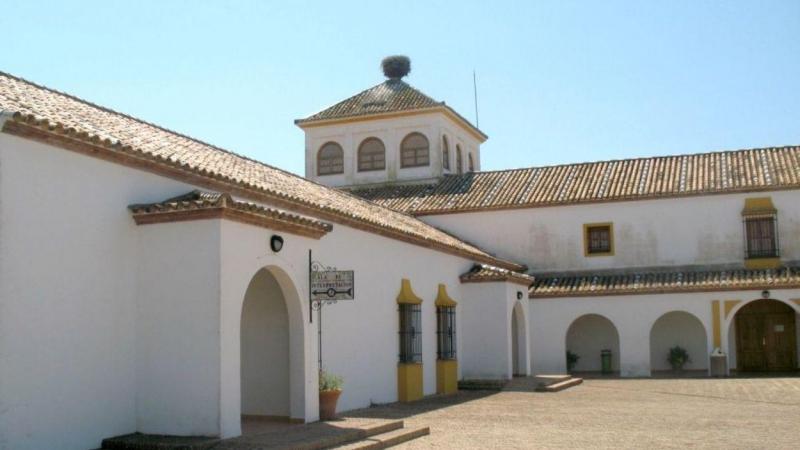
332,285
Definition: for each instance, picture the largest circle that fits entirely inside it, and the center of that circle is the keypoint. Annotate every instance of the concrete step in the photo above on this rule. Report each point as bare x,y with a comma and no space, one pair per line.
561,385
547,380
386,440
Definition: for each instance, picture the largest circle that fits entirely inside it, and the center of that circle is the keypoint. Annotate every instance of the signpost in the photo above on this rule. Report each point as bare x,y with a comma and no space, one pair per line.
326,286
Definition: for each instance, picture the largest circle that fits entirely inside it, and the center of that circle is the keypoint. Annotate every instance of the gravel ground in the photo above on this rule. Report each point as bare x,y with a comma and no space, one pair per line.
611,413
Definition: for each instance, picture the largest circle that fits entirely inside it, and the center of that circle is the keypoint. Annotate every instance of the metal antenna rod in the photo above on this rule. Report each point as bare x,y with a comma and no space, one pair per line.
475,92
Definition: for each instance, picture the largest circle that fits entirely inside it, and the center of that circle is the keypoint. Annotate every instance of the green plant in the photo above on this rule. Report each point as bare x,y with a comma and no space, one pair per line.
329,382
572,360
678,357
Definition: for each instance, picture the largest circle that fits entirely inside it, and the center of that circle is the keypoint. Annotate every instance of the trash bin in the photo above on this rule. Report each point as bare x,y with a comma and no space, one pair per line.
719,363
605,361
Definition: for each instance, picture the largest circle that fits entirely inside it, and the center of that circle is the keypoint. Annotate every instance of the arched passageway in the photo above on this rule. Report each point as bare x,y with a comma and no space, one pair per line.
678,329
587,337
519,342
265,349
763,337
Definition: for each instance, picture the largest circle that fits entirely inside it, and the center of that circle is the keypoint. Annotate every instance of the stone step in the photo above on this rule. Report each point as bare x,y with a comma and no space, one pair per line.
482,385
560,386
386,440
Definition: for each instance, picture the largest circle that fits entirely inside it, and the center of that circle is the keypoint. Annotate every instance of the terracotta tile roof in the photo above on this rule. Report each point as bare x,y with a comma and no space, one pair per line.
631,179
481,273
391,96
60,119
657,281
199,204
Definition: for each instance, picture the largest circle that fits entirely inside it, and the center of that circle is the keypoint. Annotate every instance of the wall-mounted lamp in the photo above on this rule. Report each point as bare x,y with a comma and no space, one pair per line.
765,294
276,243
519,295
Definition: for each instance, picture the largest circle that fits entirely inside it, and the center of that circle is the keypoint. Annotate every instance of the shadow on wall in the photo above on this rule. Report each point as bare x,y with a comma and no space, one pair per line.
587,337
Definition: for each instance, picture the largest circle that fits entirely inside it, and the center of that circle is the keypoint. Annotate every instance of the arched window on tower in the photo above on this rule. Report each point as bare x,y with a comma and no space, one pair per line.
330,159
459,160
414,151
445,153
371,155
470,162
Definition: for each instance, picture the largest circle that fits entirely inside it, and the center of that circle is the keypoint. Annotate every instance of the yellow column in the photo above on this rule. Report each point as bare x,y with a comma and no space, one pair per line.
716,323
409,375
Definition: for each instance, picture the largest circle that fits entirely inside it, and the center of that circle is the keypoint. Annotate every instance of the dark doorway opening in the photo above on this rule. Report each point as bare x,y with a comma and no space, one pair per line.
765,337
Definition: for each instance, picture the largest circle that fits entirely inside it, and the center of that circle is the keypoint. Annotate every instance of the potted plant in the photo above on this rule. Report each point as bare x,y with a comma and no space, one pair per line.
330,388
572,360
678,357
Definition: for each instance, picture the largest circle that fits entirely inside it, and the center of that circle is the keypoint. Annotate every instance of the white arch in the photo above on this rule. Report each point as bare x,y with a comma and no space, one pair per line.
691,335
520,352
588,349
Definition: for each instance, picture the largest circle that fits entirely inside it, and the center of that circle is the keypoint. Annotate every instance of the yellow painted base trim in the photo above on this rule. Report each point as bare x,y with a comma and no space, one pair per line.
446,376
729,305
762,263
409,382
715,322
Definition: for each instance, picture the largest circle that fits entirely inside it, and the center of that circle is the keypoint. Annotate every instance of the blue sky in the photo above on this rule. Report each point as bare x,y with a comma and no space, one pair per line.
558,81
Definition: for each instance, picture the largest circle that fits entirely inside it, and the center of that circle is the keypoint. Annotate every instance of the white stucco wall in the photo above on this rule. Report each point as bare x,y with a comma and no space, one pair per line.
68,295
667,232
177,328
391,132
488,338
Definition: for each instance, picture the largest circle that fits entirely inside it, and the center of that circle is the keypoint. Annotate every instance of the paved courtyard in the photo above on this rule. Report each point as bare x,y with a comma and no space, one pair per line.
612,413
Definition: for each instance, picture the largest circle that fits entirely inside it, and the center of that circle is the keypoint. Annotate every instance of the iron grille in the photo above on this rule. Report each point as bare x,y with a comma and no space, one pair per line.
761,237
410,333
599,239
446,332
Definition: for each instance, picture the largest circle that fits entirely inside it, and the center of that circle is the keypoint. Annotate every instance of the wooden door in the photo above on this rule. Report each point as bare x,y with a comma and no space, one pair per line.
765,337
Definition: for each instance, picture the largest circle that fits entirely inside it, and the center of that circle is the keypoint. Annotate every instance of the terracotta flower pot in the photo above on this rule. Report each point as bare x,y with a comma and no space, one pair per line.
327,404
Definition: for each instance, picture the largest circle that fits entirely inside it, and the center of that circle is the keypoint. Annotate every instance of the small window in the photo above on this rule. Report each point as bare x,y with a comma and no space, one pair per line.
598,239
446,332
414,151
761,238
459,160
445,153
410,333
471,163
371,155
330,159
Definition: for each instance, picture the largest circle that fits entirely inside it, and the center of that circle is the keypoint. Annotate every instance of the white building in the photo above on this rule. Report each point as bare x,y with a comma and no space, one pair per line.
143,286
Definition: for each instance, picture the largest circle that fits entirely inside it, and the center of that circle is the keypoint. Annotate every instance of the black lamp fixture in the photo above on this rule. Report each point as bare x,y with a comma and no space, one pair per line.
276,243
765,294
519,295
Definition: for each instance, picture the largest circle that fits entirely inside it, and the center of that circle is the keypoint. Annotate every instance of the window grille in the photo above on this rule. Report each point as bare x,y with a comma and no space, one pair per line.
446,332
414,151
459,160
330,159
471,163
761,237
371,155
599,239
410,333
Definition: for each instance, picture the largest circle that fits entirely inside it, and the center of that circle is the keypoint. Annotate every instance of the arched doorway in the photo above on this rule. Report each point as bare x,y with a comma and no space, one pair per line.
764,333
519,342
681,329
264,333
587,337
